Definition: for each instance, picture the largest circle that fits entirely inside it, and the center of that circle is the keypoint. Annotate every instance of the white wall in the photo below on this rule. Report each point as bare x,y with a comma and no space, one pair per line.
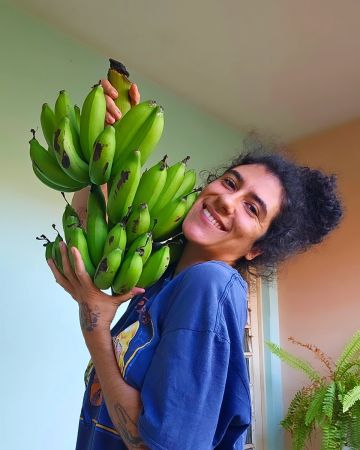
43,354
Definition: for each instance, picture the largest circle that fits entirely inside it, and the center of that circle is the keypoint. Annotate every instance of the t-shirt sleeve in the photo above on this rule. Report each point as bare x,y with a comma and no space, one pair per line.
183,390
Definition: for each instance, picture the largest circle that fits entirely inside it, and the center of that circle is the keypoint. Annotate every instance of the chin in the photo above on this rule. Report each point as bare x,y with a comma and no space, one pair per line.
194,232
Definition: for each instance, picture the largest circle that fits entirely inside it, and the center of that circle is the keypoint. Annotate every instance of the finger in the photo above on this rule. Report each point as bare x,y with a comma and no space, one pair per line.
112,108
67,269
134,94
80,270
132,293
109,88
109,120
59,277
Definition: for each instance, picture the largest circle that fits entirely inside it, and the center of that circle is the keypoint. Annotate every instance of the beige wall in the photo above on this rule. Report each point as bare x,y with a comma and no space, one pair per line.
319,299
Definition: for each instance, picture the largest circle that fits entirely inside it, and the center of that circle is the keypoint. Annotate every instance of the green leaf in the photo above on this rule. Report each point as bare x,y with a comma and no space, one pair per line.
351,397
329,398
294,362
350,350
315,410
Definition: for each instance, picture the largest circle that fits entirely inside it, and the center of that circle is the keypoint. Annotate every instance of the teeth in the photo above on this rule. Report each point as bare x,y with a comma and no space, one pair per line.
212,219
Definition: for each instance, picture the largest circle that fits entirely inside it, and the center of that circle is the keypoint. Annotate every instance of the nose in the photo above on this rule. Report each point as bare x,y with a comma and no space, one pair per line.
224,204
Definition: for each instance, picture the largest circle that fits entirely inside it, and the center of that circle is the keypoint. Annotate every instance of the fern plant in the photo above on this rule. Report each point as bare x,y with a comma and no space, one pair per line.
331,402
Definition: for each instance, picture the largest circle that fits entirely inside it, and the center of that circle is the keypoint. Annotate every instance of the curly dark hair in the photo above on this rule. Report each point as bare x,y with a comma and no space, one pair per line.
310,209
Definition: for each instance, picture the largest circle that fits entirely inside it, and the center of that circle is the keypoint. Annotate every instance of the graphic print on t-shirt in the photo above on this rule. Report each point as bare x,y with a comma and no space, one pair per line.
121,343
142,330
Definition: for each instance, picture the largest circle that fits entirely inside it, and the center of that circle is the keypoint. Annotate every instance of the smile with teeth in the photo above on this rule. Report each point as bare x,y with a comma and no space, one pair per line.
212,219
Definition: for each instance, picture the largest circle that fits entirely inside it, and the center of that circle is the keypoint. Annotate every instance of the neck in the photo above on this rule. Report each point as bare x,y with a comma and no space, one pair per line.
191,255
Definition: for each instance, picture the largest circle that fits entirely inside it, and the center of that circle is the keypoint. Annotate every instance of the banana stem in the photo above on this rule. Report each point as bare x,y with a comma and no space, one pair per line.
42,237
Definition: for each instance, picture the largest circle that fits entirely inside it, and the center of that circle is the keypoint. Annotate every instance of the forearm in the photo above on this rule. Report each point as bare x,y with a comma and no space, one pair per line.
79,202
123,401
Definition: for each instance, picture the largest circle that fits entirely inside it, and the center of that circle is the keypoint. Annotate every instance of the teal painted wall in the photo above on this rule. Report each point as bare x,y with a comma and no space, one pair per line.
43,354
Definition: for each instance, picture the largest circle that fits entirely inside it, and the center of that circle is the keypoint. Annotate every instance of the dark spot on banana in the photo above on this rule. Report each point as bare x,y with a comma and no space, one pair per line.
65,161
103,267
123,178
111,239
135,225
56,143
105,167
178,218
97,151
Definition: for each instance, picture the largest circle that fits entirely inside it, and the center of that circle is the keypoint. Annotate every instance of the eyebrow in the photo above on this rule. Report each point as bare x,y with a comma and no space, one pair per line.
259,200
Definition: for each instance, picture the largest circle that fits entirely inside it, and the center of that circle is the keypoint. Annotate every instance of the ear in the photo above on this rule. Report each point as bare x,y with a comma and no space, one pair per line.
253,253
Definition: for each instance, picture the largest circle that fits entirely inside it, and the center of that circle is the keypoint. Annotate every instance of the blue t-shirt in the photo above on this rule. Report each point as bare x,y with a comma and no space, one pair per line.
181,345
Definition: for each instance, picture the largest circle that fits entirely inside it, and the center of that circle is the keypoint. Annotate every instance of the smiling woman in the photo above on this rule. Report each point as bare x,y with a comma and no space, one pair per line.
310,208
171,374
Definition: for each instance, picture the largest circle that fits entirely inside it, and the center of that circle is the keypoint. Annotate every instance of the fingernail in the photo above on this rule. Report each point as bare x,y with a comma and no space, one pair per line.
62,244
73,250
114,92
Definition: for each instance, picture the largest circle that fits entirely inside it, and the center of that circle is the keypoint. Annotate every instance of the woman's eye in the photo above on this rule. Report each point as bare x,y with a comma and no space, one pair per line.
229,182
252,208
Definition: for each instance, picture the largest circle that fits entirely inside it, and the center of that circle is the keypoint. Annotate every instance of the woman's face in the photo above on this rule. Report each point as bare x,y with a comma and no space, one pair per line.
232,212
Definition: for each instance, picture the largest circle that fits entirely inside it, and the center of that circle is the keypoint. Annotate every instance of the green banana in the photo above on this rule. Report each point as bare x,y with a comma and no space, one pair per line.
47,168
40,175
187,185
67,155
175,176
123,188
118,77
92,119
47,120
169,218
190,200
129,272
154,267
145,242
107,268
116,238
138,222
70,219
96,225
151,184
141,129
78,240
69,223
56,253
102,156
48,250
65,108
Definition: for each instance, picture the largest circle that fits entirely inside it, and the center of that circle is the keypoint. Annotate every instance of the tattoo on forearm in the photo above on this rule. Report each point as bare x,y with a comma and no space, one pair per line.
125,425
88,317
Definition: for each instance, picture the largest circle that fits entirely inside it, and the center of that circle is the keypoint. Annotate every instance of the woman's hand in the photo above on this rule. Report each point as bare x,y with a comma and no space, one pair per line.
96,309
113,113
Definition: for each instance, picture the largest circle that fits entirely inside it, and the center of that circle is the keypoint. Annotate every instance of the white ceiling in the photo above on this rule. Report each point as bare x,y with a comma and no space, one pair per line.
286,67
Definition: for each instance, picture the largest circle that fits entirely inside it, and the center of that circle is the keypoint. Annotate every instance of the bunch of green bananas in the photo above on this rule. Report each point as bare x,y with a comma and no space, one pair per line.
81,150
132,248
142,209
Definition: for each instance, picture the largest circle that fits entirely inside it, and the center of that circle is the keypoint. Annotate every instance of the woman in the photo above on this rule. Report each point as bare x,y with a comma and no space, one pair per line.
171,374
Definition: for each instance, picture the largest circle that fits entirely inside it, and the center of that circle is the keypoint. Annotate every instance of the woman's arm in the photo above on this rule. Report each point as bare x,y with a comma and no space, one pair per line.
123,401
96,312
79,202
